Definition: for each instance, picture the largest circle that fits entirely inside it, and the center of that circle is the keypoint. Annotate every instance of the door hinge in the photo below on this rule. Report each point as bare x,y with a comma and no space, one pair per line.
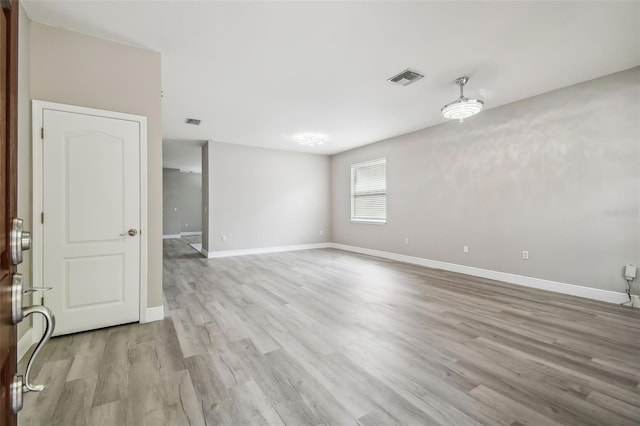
42,132
42,217
42,300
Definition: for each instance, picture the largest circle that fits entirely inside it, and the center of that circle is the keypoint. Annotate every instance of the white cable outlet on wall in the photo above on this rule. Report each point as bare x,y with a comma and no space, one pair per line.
630,272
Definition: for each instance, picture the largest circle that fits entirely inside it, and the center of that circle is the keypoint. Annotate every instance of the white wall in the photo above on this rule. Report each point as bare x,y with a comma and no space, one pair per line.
77,69
557,175
263,197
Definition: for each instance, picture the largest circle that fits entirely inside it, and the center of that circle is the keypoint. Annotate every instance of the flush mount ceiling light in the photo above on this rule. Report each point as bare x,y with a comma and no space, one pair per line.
462,107
310,139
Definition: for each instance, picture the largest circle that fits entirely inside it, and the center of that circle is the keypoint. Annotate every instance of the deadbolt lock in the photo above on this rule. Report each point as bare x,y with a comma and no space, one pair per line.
20,240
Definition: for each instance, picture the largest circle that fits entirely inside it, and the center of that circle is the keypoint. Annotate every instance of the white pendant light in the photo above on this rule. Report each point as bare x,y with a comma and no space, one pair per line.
462,107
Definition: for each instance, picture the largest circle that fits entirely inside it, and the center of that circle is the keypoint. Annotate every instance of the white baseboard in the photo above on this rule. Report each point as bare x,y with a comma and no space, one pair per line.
154,313
25,343
170,236
186,234
542,284
261,250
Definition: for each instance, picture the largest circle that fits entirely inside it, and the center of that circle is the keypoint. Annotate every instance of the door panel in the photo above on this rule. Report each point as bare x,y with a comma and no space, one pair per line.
91,187
94,180
106,275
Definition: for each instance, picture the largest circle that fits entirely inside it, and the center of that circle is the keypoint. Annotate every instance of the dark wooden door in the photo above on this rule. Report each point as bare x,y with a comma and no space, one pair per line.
8,196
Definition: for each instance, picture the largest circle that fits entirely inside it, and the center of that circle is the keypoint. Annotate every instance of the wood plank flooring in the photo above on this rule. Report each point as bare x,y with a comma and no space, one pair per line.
326,337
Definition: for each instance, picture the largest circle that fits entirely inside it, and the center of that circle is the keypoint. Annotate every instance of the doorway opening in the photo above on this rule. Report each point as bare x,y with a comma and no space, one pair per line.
182,190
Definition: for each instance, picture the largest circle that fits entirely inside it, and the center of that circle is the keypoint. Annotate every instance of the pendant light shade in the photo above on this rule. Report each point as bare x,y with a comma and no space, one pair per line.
462,107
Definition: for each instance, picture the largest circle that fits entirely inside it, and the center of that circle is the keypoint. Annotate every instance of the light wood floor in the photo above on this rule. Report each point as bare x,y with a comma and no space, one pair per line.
328,337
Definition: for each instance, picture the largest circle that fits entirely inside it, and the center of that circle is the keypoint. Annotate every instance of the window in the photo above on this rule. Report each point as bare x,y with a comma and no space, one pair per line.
369,191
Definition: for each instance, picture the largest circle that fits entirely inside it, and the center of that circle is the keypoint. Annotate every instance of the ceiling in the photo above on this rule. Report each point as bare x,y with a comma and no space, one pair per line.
258,73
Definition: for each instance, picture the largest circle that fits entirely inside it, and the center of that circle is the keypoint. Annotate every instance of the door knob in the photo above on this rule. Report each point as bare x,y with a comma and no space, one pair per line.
20,240
132,232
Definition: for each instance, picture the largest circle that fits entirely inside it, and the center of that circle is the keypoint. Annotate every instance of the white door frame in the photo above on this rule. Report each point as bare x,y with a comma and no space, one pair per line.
37,256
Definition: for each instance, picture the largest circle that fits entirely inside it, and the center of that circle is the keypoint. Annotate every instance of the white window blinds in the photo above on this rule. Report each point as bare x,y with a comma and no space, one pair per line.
369,191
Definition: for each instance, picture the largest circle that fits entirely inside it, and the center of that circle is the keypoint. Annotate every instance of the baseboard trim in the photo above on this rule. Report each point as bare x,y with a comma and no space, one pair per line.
170,236
262,250
542,284
154,313
25,343
190,233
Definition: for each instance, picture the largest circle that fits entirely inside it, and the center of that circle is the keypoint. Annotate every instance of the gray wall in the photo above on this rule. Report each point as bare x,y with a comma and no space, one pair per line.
557,175
182,202
77,69
263,197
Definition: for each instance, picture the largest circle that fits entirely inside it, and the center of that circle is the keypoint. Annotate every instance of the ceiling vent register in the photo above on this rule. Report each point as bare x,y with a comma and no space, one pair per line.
406,77
193,121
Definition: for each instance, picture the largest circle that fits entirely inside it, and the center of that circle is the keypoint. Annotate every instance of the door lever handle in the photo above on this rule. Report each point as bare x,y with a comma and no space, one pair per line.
48,332
21,384
131,232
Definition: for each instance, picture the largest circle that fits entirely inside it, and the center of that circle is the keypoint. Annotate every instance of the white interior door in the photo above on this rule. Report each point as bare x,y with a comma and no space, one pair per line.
91,230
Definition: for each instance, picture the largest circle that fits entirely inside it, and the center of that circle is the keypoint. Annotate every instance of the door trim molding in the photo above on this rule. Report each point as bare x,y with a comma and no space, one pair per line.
37,111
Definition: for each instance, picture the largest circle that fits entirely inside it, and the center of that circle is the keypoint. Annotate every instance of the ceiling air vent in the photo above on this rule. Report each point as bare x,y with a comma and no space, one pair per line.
193,121
406,77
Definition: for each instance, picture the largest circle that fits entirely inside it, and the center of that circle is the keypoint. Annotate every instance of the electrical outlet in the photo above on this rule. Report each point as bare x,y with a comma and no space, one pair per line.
186,225
525,255
465,249
630,272
406,240
223,238
321,232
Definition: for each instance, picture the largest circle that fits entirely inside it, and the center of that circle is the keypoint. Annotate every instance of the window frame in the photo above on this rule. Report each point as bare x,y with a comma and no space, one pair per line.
353,195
